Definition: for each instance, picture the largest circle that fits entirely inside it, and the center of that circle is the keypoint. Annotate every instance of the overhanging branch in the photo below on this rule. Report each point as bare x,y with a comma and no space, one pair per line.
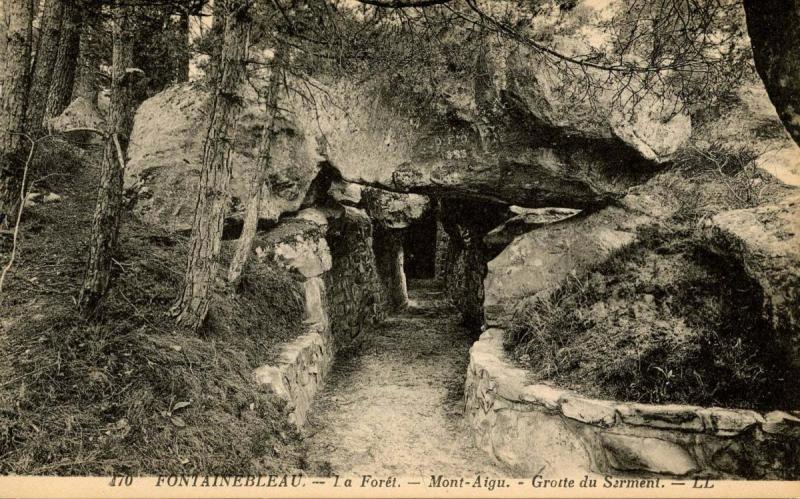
400,4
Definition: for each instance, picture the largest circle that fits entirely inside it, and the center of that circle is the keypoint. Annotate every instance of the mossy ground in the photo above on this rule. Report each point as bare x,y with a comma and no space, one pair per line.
110,395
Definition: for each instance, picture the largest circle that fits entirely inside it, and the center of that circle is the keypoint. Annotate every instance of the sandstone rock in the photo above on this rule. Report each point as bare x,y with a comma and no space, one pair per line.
273,378
545,395
631,453
297,245
541,259
539,149
779,422
590,411
662,416
532,442
526,220
530,79
314,300
393,210
166,151
766,241
729,422
751,119
346,193
78,119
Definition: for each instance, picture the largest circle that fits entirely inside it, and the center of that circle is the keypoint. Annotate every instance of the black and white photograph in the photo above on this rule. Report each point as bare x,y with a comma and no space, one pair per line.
484,248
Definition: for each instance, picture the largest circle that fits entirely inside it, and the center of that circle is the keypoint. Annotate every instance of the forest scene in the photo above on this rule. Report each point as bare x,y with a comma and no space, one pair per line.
400,237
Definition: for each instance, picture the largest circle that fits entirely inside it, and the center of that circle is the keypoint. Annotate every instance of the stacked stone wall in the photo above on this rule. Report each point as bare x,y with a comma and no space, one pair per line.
463,271
531,427
442,250
331,254
355,295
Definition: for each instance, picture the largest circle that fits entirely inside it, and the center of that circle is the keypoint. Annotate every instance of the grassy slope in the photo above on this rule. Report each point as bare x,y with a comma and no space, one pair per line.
664,321
97,397
661,321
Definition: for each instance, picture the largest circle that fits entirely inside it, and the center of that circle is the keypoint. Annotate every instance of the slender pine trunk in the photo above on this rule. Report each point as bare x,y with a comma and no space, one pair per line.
60,94
212,194
105,224
86,73
46,52
245,243
184,55
13,102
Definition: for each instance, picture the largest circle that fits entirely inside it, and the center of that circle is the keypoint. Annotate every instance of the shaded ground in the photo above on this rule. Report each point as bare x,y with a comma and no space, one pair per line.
130,392
397,406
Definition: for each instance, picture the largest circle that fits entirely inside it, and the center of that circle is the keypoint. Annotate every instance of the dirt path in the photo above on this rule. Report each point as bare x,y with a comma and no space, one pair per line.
397,407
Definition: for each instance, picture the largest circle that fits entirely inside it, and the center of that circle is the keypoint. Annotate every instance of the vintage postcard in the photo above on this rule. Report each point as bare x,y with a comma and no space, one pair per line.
399,248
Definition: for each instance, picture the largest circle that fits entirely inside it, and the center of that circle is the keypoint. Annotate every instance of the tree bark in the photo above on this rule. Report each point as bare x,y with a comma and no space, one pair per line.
212,195
46,52
106,221
13,101
245,243
184,56
60,93
774,28
4,22
86,72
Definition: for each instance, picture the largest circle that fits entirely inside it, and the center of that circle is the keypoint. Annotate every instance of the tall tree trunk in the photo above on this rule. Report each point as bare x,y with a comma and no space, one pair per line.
46,52
13,100
184,55
212,195
66,60
105,224
4,21
774,28
86,73
245,244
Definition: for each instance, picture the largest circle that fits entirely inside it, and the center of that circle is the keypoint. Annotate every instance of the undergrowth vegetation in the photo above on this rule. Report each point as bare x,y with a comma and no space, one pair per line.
663,320
130,392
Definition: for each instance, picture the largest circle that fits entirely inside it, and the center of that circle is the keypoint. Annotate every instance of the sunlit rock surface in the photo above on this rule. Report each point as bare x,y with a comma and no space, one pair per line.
766,241
166,153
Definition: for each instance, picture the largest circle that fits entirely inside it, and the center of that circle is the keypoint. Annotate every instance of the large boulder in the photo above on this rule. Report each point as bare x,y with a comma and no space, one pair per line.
541,260
82,121
394,210
514,133
525,220
765,240
581,102
298,245
513,157
166,154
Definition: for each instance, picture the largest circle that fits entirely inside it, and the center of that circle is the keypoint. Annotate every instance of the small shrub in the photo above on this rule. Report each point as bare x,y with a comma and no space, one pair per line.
731,166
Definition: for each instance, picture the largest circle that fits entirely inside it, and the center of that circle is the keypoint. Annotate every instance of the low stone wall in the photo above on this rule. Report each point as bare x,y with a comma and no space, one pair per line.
331,253
536,428
300,371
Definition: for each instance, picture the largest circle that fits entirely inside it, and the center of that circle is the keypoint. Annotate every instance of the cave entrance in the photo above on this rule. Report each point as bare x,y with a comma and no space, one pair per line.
419,248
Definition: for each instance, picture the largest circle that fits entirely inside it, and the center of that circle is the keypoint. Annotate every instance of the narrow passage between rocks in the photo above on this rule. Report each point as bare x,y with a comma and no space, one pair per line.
396,407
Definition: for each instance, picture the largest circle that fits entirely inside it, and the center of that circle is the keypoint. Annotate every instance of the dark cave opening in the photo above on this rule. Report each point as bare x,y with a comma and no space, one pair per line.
419,247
